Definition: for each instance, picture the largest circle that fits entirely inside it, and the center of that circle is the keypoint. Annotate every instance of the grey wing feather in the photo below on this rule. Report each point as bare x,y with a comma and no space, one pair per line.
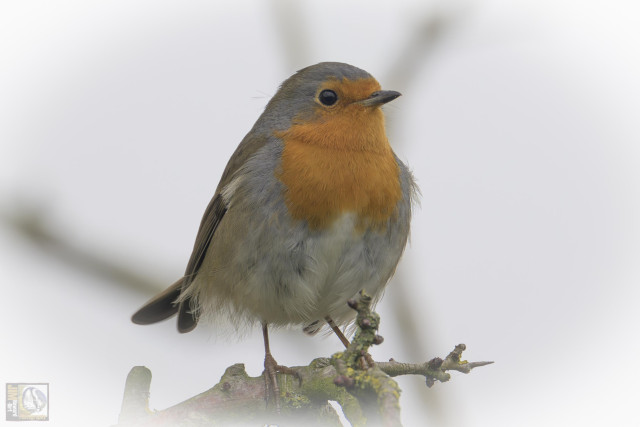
210,220
187,319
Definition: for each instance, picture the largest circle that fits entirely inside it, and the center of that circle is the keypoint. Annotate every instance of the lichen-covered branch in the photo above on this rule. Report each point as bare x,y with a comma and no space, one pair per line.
377,393
435,369
364,389
239,399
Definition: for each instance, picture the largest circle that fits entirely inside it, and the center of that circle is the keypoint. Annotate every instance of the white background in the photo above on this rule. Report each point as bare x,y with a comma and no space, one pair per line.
520,122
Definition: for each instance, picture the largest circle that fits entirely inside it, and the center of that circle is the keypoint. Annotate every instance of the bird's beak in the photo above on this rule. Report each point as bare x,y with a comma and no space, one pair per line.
379,97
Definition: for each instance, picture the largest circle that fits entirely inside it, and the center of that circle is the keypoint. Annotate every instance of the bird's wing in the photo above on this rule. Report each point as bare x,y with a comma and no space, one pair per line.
164,305
187,319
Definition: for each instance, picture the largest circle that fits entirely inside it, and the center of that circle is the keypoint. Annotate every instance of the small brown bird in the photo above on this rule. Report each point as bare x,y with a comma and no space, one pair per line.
312,207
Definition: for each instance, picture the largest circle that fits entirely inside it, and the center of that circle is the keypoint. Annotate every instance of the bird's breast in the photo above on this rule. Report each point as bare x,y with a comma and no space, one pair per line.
323,183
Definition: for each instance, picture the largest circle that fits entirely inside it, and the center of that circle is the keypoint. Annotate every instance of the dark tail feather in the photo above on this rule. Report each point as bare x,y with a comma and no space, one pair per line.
187,320
160,307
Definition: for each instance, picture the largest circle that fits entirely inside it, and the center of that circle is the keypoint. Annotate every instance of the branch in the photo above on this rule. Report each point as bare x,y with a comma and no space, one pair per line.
29,220
377,393
435,369
364,389
239,398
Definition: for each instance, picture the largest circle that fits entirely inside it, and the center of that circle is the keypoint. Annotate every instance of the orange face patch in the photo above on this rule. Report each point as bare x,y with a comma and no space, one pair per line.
351,90
341,161
347,125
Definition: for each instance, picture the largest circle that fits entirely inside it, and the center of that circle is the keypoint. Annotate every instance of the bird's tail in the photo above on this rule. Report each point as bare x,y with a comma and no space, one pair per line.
160,307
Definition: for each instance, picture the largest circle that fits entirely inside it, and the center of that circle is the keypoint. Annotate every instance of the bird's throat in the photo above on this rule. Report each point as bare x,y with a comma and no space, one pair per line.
336,174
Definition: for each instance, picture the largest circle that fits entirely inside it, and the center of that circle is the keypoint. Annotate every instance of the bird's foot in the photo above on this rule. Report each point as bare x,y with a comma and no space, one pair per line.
271,369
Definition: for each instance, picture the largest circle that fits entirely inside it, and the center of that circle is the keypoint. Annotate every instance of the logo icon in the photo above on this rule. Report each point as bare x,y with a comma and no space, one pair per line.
27,402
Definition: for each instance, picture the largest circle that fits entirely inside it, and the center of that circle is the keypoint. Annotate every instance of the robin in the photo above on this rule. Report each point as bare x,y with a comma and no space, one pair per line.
312,207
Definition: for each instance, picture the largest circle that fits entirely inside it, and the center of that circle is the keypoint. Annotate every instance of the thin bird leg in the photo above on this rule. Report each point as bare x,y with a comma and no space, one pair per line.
270,369
338,332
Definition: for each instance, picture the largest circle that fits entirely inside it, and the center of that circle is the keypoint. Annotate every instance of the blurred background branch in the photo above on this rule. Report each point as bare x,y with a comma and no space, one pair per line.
29,220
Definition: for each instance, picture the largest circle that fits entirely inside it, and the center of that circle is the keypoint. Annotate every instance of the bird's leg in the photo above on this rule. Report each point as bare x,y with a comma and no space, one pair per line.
270,369
337,330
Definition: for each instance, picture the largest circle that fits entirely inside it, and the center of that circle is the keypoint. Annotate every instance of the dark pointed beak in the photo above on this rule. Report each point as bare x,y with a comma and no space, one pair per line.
380,97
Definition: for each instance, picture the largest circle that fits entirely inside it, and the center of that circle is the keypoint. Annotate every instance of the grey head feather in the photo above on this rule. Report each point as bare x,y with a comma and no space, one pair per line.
296,95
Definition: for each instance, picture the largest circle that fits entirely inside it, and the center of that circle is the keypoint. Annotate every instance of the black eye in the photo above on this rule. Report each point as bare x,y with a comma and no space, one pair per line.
328,97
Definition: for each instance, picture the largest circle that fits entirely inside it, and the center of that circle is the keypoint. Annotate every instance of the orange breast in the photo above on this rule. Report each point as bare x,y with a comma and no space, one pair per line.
340,163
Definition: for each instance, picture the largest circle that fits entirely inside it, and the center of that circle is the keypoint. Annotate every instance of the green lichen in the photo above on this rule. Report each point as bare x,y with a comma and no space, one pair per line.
294,401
